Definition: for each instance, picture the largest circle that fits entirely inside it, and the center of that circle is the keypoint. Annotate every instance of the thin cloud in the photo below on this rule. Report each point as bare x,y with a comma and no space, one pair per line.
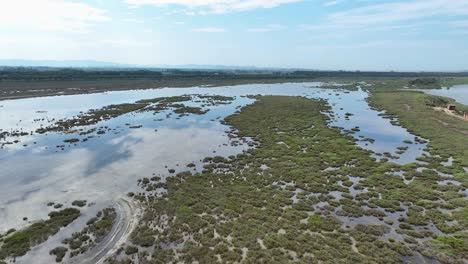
267,28
134,20
331,3
400,12
209,30
385,16
459,23
50,15
204,7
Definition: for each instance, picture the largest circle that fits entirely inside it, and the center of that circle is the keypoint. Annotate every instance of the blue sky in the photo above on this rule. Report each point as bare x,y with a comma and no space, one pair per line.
315,34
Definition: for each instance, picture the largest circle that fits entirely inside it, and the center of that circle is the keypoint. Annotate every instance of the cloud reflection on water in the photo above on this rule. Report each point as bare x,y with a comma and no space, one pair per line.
82,173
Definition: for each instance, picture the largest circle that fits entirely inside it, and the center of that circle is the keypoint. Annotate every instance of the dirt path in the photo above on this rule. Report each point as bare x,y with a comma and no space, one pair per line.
450,113
128,215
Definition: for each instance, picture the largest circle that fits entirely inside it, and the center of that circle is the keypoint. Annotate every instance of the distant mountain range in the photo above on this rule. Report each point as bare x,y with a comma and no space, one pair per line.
102,64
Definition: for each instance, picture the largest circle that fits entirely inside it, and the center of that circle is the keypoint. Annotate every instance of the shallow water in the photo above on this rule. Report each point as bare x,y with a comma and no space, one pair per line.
458,92
108,166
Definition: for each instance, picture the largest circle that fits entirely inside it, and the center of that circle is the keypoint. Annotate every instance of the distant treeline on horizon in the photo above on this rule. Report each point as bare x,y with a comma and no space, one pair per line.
69,74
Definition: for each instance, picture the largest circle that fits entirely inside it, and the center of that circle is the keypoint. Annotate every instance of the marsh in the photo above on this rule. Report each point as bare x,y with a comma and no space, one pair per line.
89,154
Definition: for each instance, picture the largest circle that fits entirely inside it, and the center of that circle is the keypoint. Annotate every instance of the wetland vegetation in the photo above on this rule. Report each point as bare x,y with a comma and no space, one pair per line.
154,105
17,243
20,82
448,135
305,191
279,203
80,242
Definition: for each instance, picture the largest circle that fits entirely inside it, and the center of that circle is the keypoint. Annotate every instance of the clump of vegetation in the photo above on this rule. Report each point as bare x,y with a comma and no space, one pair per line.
433,82
59,253
436,101
79,203
130,250
190,110
319,223
143,236
71,140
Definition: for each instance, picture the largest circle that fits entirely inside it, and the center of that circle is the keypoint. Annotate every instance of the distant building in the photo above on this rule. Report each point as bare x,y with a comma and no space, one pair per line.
451,107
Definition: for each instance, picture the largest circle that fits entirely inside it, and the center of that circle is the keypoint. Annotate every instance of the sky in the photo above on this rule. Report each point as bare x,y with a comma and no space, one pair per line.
383,35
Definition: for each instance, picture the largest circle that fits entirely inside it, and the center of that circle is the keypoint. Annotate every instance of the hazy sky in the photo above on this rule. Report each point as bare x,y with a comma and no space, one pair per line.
315,34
